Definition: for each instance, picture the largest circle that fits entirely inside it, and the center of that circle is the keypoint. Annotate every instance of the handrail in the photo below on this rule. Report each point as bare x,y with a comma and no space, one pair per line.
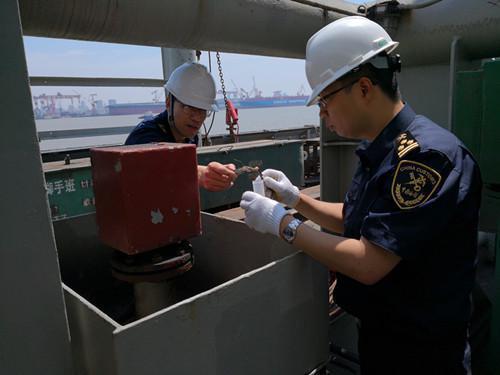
404,5
81,133
417,4
88,81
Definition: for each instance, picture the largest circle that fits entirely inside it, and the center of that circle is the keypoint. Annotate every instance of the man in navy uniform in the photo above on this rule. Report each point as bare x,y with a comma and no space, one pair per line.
190,99
405,256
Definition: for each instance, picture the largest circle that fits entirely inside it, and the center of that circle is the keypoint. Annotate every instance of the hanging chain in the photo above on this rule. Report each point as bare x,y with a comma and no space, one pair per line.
221,78
229,120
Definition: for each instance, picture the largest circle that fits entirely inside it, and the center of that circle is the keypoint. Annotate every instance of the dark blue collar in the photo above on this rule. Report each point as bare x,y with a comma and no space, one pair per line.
162,118
372,153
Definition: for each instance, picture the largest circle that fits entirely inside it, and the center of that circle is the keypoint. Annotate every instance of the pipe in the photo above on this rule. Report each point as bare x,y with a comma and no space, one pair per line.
315,4
260,27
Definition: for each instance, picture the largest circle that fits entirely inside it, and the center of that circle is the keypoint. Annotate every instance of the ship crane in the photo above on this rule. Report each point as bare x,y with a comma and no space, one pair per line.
238,92
234,94
244,94
256,92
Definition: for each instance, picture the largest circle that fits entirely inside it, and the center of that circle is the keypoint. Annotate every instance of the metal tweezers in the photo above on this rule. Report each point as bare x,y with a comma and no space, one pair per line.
248,169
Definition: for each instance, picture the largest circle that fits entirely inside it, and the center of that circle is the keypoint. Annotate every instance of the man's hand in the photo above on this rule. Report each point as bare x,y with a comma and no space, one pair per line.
262,214
216,176
285,191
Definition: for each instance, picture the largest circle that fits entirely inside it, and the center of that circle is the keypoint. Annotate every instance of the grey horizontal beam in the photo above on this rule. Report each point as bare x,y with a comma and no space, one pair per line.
80,133
96,82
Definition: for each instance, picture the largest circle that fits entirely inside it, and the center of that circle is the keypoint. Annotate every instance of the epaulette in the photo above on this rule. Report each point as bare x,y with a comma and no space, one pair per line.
406,142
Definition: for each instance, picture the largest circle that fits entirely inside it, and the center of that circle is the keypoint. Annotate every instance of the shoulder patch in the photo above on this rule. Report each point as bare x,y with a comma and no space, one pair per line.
405,142
413,184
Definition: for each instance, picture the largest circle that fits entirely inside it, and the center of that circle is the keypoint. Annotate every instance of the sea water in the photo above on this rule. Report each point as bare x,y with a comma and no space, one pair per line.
251,119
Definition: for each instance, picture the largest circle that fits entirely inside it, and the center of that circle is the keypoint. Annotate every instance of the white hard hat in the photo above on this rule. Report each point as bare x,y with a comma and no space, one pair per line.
192,84
341,46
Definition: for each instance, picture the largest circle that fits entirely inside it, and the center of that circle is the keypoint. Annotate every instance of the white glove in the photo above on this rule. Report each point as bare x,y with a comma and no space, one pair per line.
285,191
262,214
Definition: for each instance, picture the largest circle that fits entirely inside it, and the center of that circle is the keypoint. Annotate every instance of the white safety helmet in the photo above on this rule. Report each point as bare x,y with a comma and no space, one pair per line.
192,84
341,46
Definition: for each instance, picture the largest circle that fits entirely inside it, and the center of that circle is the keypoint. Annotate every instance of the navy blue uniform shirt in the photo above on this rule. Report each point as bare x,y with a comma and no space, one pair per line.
416,193
155,130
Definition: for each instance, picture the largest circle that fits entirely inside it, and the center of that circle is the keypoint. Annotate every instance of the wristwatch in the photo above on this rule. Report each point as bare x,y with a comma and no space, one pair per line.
290,230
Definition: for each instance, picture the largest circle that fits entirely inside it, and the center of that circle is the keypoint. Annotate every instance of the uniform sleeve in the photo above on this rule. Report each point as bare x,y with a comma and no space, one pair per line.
416,200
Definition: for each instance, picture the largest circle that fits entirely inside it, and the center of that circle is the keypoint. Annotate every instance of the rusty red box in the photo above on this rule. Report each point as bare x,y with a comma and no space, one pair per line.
146,195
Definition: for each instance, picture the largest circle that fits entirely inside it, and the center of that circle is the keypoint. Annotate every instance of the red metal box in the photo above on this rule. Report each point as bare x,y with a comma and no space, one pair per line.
146,195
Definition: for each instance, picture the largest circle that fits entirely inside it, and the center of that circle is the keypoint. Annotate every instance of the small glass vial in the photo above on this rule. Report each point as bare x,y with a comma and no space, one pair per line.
258,186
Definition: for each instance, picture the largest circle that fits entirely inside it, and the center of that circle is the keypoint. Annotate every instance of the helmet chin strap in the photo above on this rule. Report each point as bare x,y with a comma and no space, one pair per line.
171,111
171,121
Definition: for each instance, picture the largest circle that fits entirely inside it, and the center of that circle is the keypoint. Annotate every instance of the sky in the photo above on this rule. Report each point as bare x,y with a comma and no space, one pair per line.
63,57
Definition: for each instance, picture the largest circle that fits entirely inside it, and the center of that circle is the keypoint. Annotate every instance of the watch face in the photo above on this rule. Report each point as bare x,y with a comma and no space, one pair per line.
290,230
289,234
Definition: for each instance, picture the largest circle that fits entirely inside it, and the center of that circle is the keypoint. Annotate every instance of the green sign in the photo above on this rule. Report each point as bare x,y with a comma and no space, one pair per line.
70,192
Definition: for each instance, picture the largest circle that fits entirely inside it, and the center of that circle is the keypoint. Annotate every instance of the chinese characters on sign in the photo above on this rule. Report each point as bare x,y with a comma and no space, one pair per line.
70,195
60,186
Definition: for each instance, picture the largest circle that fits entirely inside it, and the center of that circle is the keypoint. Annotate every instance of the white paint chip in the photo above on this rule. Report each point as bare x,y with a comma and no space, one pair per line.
175,210
118,166
156,216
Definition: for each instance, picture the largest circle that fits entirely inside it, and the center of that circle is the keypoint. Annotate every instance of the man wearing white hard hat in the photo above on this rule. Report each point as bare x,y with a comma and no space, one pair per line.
190,99
405,252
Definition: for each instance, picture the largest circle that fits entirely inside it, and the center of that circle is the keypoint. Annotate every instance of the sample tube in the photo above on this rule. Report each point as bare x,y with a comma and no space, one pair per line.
258,186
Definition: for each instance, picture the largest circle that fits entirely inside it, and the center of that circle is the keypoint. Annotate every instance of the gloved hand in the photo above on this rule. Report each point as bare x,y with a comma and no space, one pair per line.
262,214
278,183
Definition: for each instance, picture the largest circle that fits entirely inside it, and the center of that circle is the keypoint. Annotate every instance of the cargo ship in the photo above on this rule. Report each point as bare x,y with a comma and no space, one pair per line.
240,103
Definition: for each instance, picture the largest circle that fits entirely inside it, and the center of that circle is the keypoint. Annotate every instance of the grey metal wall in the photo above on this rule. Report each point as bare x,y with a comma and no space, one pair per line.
251,305
426,34
426,89
34,336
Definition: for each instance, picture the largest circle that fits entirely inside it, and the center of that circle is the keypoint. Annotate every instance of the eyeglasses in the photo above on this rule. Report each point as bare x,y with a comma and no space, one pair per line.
193,111
323,101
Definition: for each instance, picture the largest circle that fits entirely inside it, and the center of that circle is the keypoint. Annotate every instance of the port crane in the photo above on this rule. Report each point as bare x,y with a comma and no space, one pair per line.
48,103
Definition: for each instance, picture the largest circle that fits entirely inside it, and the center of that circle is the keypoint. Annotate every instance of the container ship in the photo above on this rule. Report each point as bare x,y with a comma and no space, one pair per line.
240,103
